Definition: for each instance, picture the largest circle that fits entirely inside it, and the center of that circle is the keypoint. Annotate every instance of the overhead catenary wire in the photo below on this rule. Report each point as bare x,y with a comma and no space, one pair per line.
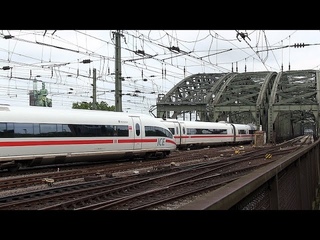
163,56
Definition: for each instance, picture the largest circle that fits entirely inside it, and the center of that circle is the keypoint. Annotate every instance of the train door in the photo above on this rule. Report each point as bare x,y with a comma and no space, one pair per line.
137,133
234,131
177,133
183,133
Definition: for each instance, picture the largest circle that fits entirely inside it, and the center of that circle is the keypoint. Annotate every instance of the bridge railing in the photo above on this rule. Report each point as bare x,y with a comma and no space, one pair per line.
290,183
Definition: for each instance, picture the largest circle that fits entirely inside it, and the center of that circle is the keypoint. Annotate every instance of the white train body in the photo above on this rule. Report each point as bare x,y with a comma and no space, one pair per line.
41,135
195,133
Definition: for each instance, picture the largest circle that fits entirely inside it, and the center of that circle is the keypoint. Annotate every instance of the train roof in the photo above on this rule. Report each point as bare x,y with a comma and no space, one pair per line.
220,124
55,115
196,123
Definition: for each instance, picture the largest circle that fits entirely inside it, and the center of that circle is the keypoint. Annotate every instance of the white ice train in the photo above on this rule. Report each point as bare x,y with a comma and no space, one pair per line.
201,134
33,135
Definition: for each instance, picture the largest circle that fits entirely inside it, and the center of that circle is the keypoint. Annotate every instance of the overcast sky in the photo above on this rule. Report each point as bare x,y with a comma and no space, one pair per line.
152,62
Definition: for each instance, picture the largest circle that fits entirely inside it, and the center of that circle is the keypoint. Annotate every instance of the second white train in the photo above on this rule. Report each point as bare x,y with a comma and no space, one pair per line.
201,134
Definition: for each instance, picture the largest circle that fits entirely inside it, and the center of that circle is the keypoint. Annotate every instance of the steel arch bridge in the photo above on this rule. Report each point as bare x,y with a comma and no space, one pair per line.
284,104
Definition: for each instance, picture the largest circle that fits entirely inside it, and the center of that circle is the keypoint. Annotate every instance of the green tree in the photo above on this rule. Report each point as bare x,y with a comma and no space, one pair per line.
89,105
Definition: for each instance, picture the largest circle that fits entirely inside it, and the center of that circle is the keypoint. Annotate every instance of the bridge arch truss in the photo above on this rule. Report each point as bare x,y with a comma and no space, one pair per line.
282,104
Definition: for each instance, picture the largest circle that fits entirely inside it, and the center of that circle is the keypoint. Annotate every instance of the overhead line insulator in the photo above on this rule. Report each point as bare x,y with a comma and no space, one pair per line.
299,45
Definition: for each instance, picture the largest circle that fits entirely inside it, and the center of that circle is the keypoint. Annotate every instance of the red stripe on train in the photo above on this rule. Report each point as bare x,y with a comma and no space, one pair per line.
137,140
77,142
203,136
52,142
171,141
211,136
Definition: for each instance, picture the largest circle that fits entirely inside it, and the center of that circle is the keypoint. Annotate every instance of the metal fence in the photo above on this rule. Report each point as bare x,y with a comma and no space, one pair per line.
290,183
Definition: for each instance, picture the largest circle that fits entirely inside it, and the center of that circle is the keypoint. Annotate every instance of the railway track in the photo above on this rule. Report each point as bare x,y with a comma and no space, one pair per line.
36,177
124,190
150,189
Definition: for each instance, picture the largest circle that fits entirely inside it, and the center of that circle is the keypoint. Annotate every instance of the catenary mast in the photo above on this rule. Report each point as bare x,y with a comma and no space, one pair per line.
118,84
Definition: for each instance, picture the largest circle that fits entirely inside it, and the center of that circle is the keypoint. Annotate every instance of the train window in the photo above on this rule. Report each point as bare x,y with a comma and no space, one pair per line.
122,131
160,132
172,130
137,129
36,129
109,130
219,131
153,131
6,130
91,130
115,133
61,130
242,131
10,127
191,131
23,129
167,133
66,131
206,131
177,130
3,127
48,130
183,130
150,131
